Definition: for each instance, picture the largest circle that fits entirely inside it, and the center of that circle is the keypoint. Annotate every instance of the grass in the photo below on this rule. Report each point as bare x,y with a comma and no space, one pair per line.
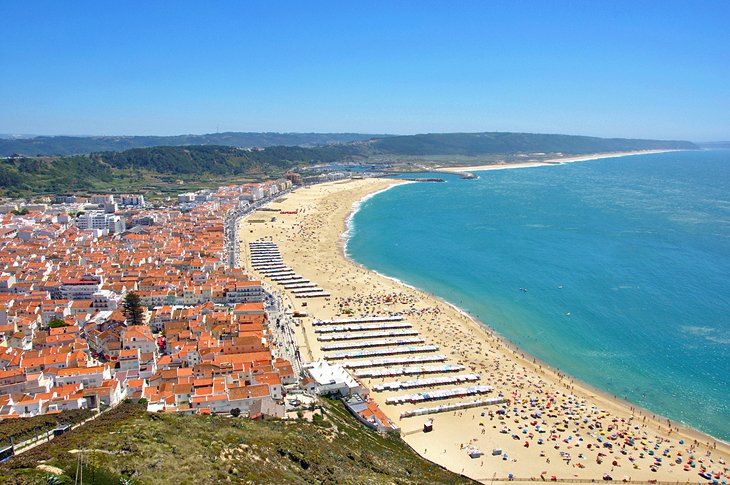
153,185
127,442
21,429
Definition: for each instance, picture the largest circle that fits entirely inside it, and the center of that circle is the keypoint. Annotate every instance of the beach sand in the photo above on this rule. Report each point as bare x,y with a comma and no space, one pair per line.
542,163
546,407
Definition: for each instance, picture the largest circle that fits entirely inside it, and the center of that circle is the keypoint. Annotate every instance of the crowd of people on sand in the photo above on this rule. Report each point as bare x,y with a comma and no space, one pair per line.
376,304
545,418
542,414
545,414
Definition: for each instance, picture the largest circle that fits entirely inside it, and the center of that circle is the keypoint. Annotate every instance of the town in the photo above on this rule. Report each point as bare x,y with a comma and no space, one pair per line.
104,299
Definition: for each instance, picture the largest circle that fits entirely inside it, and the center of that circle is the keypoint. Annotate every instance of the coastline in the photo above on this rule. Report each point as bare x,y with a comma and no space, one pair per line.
484,326
545,163
347,233
334,264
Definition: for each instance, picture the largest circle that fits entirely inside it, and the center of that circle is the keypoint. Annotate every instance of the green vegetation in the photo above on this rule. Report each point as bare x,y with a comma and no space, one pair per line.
133,310
715,145
222,160
169,170
165,169
497,142
21,429
33,175
77,145
129,443
56,323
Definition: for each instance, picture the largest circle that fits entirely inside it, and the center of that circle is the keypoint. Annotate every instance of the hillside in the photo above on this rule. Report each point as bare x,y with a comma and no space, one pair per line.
157,168
715,145
150,448
77,145
162,168
472,144
222,160
424,144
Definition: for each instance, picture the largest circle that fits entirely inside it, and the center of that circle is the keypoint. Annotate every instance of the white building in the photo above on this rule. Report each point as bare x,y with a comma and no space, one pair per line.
186,198
101,199
100,220
245,292
80,289
332,379
105,300
132,199
87,376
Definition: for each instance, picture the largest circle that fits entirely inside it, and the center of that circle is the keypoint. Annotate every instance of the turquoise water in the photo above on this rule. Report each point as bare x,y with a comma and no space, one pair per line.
626,262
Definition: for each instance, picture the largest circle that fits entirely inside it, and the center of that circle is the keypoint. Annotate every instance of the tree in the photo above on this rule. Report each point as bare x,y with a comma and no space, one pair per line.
56,322
133,310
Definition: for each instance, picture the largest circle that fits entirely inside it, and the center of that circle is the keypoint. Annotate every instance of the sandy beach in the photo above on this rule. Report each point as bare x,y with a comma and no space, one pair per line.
552,161
553,426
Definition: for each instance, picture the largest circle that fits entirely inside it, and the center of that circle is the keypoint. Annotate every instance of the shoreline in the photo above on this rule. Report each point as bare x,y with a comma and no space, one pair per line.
494,333
547,163
467,327
347,233
524,355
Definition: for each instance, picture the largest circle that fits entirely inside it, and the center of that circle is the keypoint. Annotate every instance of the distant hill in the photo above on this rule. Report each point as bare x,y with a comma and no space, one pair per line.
101,171
470,144
473,144
715,145
14,136
77,145
222,160
146,168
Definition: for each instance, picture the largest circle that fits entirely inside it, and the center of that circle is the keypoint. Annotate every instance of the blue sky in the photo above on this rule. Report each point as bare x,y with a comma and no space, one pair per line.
656,69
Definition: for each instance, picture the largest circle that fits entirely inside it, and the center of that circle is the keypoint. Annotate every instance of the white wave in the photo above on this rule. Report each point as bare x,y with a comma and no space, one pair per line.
710,334
347,234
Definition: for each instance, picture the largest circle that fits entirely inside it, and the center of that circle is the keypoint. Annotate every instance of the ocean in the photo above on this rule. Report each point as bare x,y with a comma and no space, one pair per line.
616,271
